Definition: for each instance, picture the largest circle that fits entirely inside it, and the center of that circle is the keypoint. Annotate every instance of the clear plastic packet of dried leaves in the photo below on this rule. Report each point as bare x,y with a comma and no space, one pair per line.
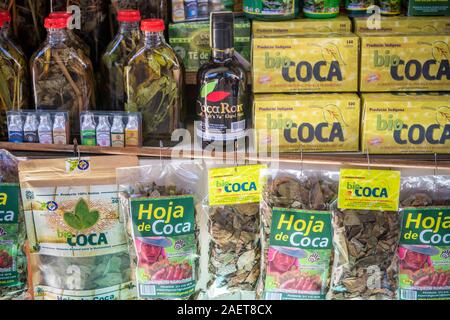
160,204
424,248
13,260
78,245
233,224
300,272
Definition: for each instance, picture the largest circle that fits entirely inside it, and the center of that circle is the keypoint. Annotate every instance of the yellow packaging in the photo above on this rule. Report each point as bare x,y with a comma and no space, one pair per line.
300,26
307,122
403,25
315,63
405,63
369,189
406,123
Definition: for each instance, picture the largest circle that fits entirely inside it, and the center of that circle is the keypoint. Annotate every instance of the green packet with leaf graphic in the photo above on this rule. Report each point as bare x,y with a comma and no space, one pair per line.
78,245
307,122
424,248
13,261
160,204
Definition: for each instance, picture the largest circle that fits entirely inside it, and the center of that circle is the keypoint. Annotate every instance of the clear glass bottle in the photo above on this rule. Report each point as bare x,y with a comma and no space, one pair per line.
132,136
88,132
103,132
118,132
154,85
60,129
15,128
114,59
13,75
222,103
77,42
30,129
45,129
62,76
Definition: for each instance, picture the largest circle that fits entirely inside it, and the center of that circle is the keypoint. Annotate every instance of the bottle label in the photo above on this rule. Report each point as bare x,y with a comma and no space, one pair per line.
118,140
221,112
45,137
9,230
59,137
15,136
31,136
88,138
327,7
104,139
132,138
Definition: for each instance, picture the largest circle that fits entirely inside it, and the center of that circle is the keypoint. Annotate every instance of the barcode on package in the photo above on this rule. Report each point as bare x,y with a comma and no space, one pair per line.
238,126
408,294
147,290
273,296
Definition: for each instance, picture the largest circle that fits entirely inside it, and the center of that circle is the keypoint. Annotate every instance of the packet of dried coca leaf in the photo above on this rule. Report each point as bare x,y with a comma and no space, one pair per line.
77,240
233,223
366,233
424,250
160,203
13,261
296,234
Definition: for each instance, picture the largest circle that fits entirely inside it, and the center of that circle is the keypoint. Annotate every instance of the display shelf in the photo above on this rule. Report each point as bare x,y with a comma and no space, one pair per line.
426,161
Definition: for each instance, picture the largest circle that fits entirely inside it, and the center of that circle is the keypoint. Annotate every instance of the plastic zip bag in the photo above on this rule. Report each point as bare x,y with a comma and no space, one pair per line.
160,203
295,270
424,252
13,260
233,235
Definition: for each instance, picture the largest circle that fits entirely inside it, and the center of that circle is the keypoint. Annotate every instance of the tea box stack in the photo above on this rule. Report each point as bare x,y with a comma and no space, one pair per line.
318,61
406,61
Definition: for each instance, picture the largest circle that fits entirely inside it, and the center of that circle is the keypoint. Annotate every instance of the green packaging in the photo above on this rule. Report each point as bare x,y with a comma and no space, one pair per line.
428,8
191,41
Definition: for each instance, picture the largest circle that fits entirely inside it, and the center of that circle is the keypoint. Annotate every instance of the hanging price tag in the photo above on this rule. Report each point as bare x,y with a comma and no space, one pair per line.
369,189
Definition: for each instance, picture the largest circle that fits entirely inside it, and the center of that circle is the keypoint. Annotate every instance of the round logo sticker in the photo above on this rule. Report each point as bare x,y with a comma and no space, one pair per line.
83,165
52,206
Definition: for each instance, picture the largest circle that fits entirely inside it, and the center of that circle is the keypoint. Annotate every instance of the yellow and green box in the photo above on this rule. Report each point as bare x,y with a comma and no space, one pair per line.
402,25
301,26
307,122
314,63
405,63
406,123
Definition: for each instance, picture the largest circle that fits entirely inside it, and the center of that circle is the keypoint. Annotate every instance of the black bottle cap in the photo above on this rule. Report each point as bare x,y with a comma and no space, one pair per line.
222,30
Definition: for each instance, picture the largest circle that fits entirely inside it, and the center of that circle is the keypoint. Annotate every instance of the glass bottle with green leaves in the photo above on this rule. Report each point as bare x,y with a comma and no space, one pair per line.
27,21
114,59
77,42
154,85
13,75
62,76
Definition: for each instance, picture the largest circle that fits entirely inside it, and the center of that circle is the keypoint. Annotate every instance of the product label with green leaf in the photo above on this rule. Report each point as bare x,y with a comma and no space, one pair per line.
164,238
9,229
424,254
299,255
221,111
77,241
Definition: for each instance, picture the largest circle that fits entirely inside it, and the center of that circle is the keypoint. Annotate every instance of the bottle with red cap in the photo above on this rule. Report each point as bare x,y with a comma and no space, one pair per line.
13,75
115,57
77,42
154,85
62,76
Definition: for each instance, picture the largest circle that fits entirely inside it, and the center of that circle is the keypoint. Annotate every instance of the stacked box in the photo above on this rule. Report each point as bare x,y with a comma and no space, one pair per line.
406,123
191,41
405,63
307,122
313,63
301,26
